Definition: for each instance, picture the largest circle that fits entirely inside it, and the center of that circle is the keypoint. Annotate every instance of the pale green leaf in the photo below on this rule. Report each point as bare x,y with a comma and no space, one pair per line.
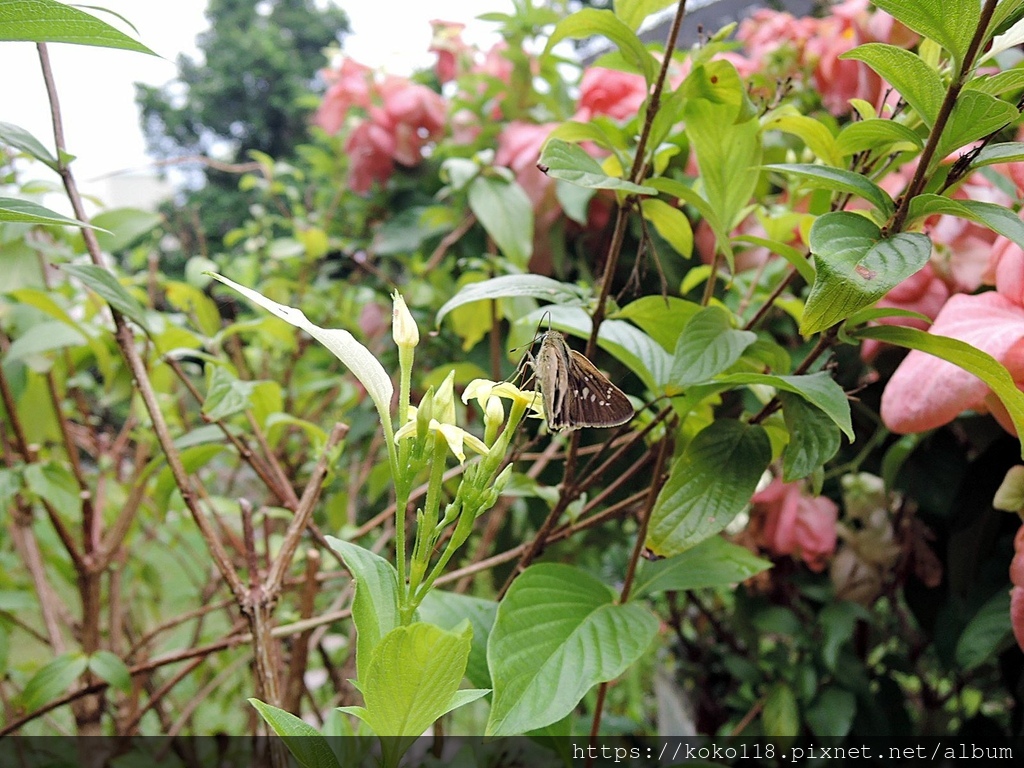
708,485
506,213
712,563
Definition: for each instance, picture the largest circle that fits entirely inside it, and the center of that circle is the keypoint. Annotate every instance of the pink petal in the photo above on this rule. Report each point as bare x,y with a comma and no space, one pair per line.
926,392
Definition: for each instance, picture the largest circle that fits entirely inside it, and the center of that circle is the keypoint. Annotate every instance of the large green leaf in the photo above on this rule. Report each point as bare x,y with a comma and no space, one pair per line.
448,609
25,212
17,137
819,388
309,748
661,318
1004,152
813,437
40,338
814,133
123,226
707,346
569,162
712,563
103,282
590,21
227,394
708,486
728,153
412,680
53,679
47,21
781,713
671,223
831,713
506,213
375,607
998,218
633,12
918,83
950,23
856,267
341,343
974,115
962,354
878,135
838,180
557,634
54,483
985,633
513,286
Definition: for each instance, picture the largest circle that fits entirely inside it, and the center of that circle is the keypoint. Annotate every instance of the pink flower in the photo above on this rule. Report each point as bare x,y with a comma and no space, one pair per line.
926,392
795,524
447,43
414,114
1017,593
370,148
963,249
610,92
519,146
350,87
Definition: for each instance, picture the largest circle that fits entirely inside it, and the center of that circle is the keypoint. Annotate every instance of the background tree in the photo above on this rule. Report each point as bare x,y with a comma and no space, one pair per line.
249,90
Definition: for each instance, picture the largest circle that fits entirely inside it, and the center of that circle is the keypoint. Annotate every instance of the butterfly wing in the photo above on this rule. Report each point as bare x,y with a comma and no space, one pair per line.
592,400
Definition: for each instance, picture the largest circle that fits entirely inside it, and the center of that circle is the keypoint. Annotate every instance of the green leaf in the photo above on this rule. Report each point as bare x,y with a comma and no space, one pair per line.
55,484
41,338
728,154
558,633
707,346
569,162
53,680
227,394
192,458
413,679
123,226
448,609
950,23
712,563
985,633
513,286
308,747
781,714
878,135
819,389
813,437
107,666
918,83
708,485
107,287
831,713
661,318
22,211
971,359
341,343
506,213
1005,152
837,621
838,180
633,12
375,606
589,22
47,21
813,133
974,115
999,83
795,257
856,267
999,219
17,137
670,223
707,212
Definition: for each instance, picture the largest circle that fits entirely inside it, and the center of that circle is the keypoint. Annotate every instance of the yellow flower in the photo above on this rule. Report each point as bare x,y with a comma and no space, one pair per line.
482,390
455,436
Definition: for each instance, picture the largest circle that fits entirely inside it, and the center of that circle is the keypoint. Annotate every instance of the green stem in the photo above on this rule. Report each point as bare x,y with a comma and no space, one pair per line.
426,523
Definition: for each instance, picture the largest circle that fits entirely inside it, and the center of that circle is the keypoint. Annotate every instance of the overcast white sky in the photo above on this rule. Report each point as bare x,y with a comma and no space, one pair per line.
96,84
